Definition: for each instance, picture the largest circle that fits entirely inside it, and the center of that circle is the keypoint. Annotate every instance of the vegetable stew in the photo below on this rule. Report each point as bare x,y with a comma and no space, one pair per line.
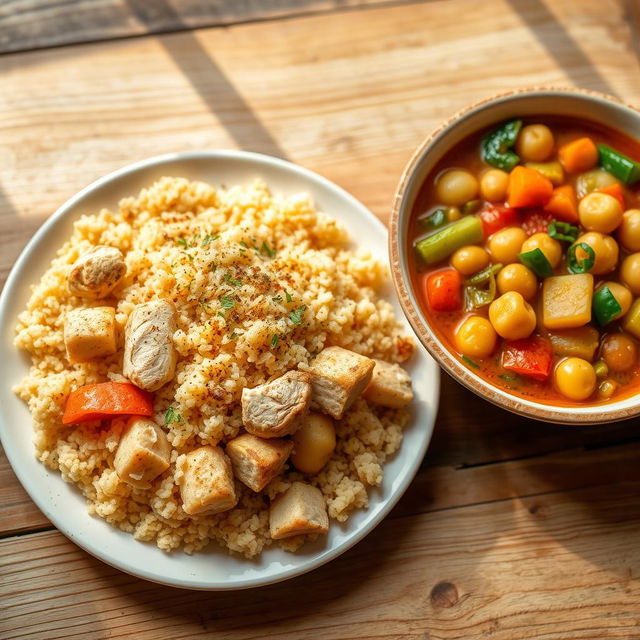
525,255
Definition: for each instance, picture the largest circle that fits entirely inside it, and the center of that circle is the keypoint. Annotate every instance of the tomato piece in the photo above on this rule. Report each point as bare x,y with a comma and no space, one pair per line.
444,290
106,400
537,221
495,217
529,357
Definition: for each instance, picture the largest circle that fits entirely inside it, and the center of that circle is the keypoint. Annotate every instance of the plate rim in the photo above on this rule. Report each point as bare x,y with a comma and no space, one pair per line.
40,499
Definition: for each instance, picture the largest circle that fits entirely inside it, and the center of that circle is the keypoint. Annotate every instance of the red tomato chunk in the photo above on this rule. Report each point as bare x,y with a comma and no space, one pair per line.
529,357
444,290
496,217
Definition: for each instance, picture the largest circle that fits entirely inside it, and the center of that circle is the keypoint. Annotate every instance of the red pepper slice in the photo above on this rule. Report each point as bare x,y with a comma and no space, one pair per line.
537,221
495,217
106,400
528,357
444,290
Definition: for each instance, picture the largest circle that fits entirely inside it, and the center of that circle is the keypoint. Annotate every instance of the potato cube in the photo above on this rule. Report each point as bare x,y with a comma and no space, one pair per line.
390,386
143,453
578,343
90,333
299,510
338,377
256,461
566,301
206,481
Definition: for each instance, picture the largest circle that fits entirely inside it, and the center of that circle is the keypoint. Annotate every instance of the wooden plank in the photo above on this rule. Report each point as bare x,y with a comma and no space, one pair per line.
557,566
37,24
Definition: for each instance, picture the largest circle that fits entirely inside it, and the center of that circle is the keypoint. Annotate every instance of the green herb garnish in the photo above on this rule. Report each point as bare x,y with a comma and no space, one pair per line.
574,265
208,240
232,281
233,336
267,249
563,231
470,362
277,299
297,315
274,341
182,242
227,302
288,296
170,416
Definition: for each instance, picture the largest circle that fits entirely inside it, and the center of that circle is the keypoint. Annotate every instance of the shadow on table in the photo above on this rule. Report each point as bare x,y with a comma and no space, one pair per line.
214,88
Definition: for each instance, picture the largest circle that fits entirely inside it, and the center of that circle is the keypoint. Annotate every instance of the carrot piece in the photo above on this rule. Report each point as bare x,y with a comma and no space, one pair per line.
443,289
563,204
579,155
616,191
528,188
106,400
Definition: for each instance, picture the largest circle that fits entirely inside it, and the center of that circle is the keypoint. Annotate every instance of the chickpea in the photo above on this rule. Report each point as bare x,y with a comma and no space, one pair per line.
607,388
475,337
517,277
470,259
494,184
619,352
600,212
629,230
606,250
511,316
551,248
455,187
535,143
575,378
621,294
313,443
505,245
630,273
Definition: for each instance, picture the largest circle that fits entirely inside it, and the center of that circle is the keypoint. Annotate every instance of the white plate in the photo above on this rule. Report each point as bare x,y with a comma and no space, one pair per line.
64,505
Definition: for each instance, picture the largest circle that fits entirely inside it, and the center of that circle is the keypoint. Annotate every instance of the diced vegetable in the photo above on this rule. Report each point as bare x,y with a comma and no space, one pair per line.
563,231
618,164
475,294
472,206
443,243
631,322
537,262
536,221
443,290
563,203
616,191
601,369
496,147
496,217
528,188
577,265
106,400
579,155
551,170
566,301
605,306
593,180
434,219
529,357
581,342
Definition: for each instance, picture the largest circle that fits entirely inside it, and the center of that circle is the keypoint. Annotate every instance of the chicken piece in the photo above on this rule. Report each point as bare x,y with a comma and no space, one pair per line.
149,355
256,462
338,377
276,408
96,273
300,509
390,386
206,481
90,333
143,453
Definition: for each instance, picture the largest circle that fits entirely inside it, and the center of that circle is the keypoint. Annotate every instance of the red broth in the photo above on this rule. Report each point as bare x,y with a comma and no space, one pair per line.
466,155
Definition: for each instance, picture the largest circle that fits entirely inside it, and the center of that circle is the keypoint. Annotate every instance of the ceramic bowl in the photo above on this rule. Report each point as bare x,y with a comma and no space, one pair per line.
586,105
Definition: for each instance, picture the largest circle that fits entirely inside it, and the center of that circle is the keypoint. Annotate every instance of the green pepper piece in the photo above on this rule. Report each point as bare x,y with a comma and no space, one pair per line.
605,306
470,207
476,296
563,231
496,147
537,262
619,165
434,219
443,243
485,274
576,266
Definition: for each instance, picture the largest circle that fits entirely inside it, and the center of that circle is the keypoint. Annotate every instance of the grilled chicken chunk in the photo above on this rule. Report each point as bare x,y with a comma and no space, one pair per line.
390,386
276,408
206,481
338,377
96,273
90,333
143,453
149,355
256,461
300,509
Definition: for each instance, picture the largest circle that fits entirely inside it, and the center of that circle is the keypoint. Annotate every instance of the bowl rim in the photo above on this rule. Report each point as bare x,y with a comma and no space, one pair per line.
558,414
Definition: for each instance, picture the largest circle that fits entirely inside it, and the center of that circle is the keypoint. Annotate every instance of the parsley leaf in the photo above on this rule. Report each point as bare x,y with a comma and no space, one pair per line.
208,240
182,242
233,336
297,315
170,416
227,302
229,280
267,249
288,296
274,341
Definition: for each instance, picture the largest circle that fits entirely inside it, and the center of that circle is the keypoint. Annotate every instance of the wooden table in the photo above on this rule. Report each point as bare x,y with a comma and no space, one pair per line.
513,529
